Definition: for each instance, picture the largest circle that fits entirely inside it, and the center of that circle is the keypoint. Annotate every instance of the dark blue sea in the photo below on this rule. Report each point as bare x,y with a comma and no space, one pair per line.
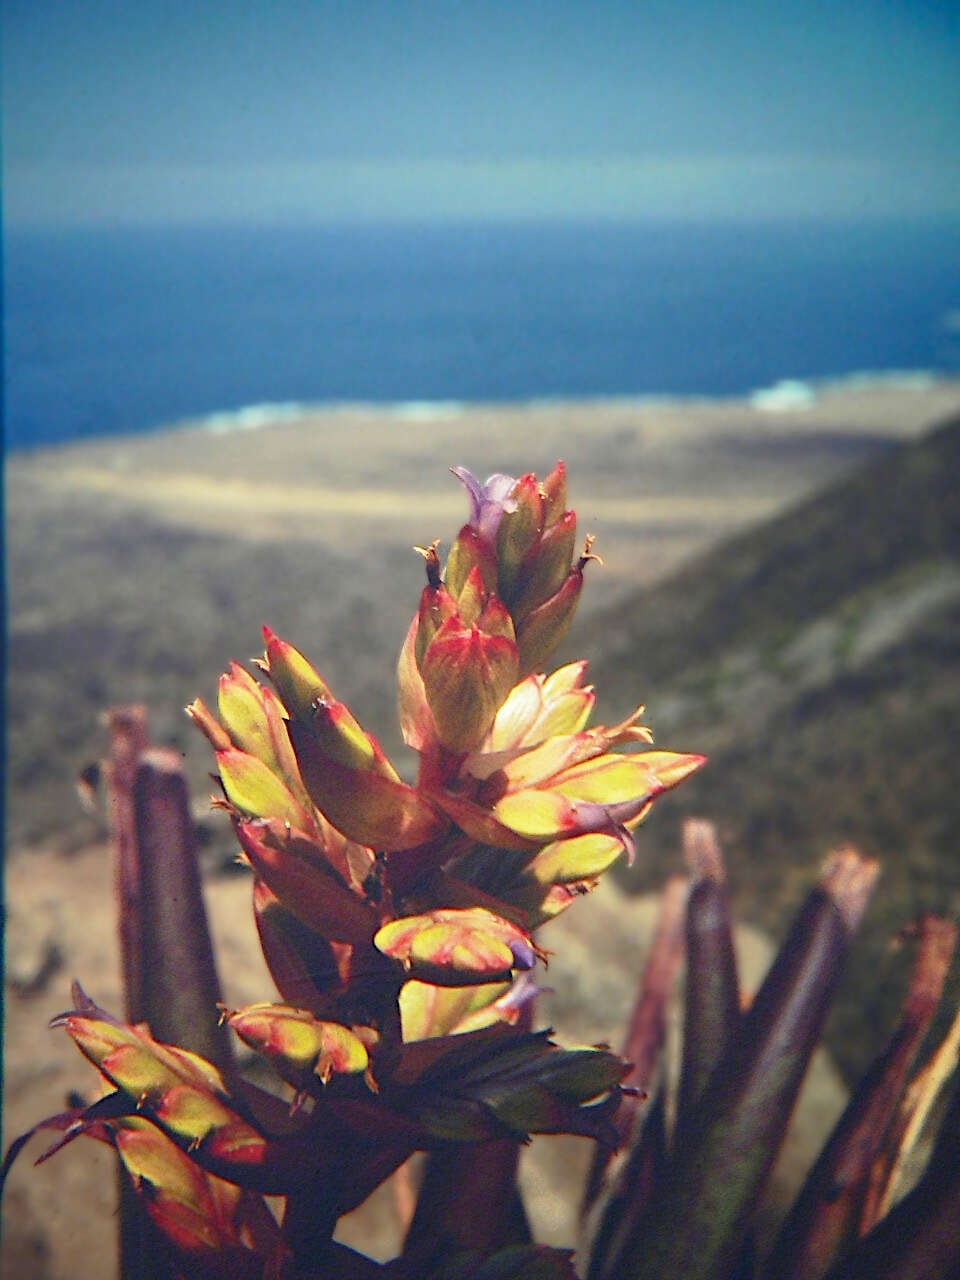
121,331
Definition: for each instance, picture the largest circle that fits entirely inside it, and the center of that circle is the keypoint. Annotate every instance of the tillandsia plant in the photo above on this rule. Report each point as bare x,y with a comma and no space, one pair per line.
397,921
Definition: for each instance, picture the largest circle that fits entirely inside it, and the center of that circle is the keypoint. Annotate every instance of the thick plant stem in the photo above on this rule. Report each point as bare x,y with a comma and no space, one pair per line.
696,1226
920,1238
828,1213
180,988
712,999
166,956
128,738
468,1201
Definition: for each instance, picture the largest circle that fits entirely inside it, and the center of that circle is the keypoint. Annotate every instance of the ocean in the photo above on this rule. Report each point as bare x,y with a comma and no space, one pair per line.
128,330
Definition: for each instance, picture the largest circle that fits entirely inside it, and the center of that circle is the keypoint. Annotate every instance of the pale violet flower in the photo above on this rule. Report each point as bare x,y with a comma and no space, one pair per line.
488,501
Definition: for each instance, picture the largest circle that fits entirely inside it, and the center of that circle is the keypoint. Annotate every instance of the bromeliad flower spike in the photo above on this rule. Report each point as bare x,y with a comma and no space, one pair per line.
397,919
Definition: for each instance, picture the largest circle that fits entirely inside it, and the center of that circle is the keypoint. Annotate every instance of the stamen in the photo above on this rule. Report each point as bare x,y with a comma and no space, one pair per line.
587,554
433,561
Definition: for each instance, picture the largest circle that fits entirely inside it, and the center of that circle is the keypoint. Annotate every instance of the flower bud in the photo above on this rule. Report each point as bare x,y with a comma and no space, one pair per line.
554,490
256,722
532,554
209,726
470,551
467,673
519,532
176,1191
427,1009
545,566
295,680
296,870
524,1083
597,795
295,1039
543,628
342,740
436,606
366,805
253,788
456,947
472,599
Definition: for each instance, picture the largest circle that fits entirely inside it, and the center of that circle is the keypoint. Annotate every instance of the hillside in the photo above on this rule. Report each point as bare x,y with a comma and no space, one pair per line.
816,659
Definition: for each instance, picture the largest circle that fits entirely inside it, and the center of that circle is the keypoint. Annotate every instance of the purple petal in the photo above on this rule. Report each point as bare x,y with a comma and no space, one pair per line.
488,501
86,1008
474,491
521,992
498,488
628,842
523,954
609,819
590,816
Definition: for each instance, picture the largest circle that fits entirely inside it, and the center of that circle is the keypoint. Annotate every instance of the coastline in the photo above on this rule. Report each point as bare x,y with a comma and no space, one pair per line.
785,395
806,397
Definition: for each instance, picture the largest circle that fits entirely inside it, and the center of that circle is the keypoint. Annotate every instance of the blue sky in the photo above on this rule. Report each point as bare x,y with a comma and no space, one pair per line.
419,109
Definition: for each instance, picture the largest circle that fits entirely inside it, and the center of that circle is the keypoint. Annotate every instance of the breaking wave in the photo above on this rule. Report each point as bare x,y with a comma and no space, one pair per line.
792,394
